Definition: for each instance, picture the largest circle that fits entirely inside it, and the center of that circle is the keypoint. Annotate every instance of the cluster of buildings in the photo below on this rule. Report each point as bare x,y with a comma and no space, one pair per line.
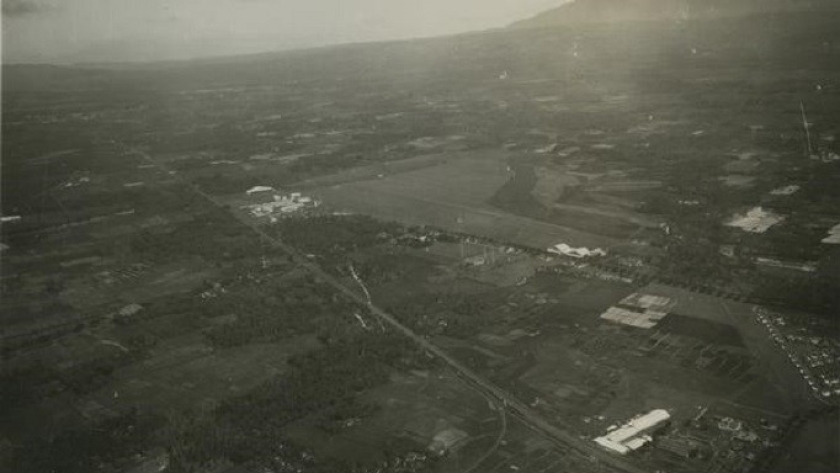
816,359
214,291
786,190
77,182
280,204
737,429
733,444
639,310
826,157
704,443
634,434
756,220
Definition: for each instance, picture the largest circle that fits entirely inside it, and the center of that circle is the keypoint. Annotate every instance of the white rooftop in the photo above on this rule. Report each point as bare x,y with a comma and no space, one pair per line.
786,190
256,189
833,237
633,435
583,252
652,309
756,220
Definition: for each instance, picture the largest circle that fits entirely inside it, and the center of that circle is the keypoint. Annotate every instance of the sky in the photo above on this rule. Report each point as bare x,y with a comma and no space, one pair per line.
69,31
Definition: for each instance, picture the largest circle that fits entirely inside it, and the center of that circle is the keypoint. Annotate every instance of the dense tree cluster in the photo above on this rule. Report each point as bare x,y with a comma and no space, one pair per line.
273,311
245,430
454,314
248,429
88,450
334,236
23,385
26,385
819,297
213,235
90,375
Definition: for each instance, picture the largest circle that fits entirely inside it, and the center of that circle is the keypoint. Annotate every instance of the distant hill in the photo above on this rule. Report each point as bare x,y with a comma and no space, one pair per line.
616,11
777,38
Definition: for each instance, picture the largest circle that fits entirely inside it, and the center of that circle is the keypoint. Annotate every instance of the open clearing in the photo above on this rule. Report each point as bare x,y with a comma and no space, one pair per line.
779,370
454,196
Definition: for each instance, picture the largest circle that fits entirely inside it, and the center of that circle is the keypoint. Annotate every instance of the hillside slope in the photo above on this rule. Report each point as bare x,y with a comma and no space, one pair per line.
615,11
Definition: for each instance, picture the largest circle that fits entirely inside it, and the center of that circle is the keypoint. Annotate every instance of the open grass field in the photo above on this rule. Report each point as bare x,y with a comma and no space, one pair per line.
816,449
731,327
453,196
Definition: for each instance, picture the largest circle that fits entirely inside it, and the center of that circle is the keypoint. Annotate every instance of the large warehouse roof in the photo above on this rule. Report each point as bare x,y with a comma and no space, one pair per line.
632,435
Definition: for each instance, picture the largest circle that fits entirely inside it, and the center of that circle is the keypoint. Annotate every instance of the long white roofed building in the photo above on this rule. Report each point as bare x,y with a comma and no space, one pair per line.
634,434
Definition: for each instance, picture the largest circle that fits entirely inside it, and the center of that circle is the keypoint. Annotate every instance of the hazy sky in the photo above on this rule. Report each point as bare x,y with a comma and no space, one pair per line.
108,30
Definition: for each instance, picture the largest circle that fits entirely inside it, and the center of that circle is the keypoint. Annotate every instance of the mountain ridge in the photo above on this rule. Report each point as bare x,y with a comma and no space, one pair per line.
619,11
